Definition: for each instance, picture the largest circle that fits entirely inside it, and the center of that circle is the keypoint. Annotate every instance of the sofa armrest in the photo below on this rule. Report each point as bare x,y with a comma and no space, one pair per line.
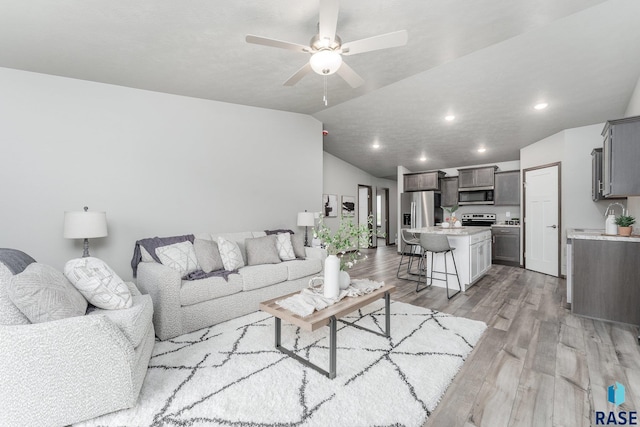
64,371
318,253
163,284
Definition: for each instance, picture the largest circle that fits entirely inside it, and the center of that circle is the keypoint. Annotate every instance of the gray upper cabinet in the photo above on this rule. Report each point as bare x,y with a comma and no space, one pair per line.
507,188
476,177
449,190
620,154
423,181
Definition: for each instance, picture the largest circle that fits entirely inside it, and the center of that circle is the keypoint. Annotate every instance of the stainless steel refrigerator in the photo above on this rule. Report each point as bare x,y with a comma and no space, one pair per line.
420,209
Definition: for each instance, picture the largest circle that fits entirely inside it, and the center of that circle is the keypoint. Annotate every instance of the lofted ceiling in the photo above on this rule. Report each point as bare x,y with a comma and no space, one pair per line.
485,61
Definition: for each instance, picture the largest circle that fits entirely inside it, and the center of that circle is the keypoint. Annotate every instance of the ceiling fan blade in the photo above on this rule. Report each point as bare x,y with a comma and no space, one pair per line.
298,75
277,43
328,20
350,76
383,41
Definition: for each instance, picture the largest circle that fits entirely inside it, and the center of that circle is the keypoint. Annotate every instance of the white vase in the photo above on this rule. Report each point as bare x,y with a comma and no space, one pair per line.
345,280
331,277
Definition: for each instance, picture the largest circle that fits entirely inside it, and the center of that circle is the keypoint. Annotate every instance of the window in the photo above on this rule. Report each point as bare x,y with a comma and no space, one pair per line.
379,210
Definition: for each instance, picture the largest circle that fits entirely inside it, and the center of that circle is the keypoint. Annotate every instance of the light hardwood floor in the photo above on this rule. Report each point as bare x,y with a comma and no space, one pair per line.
536,364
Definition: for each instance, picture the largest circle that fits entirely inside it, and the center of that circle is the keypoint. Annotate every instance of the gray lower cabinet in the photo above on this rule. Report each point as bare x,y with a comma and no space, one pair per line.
505,245
605,280
449,190
507,188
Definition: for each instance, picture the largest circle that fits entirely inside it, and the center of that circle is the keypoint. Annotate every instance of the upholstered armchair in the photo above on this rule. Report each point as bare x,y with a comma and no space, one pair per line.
64,371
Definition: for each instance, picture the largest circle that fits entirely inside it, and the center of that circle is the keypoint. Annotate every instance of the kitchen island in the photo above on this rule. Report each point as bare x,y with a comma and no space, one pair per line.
603,275
472,253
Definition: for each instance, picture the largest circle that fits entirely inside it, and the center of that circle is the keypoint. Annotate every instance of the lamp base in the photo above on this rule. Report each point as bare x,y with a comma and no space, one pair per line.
86,249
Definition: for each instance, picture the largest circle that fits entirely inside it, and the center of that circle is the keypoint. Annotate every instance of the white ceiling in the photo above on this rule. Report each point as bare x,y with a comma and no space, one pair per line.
485,61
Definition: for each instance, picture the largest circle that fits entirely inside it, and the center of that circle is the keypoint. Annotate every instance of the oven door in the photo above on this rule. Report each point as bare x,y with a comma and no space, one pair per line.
475,197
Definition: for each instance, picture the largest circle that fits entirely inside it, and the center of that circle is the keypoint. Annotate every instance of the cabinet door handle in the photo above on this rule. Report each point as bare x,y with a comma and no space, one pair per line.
493,239
552,226
600,186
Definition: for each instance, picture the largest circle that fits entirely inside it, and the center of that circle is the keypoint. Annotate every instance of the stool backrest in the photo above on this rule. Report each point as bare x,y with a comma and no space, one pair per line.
434,242
407,236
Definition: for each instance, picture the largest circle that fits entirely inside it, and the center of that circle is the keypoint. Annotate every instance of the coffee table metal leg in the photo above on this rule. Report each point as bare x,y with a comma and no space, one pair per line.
332,348
387,314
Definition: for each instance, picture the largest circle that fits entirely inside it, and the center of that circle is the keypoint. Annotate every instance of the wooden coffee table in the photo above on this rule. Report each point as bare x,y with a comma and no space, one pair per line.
328,316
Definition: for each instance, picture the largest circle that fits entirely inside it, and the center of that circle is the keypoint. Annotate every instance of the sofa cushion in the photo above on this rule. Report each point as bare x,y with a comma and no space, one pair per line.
208,255
195,291
230,254
262,250
98,283
303,267
239,238
297,241
179,256
285,248
42,294
9,313
133,321
260,276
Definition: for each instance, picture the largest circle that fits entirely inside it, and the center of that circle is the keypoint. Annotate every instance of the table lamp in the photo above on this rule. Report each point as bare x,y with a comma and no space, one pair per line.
85,225
306,219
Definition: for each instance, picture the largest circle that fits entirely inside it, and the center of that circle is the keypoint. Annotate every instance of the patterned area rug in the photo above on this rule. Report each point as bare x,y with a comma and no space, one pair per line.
231,374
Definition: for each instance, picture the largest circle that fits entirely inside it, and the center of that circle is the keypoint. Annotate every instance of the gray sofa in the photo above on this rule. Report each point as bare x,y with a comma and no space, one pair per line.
182,306
64,371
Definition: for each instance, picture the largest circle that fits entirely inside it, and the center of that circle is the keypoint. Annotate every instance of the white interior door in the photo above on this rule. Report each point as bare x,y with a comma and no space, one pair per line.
542,221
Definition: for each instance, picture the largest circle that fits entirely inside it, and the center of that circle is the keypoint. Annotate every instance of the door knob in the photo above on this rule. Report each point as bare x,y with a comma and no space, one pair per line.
552,226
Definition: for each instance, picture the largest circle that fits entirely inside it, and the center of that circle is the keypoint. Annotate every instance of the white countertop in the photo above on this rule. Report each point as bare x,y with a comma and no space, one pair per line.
589,234
450,231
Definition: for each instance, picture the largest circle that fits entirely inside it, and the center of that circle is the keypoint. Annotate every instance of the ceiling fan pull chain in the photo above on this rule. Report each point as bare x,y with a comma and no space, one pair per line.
324,98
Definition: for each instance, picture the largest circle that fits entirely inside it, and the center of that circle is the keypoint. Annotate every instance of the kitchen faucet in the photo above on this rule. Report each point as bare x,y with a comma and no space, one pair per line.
613,204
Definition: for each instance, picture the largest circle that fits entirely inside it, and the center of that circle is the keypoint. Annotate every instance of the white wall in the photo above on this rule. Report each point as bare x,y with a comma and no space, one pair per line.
158,164
633,109
342,179
572,148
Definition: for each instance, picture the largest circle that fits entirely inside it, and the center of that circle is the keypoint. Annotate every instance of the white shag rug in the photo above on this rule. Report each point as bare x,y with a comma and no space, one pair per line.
231,374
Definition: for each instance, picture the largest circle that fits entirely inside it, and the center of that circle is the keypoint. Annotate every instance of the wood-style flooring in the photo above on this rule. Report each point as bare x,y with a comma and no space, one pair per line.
537,364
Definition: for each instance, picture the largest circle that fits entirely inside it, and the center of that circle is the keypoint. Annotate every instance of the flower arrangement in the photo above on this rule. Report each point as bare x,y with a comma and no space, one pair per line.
452,213
346,241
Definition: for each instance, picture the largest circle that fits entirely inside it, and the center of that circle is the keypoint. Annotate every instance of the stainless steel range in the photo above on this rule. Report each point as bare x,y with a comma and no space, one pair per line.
478,219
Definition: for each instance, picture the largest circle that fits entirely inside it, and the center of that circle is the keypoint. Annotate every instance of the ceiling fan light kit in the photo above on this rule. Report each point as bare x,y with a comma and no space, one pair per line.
326,47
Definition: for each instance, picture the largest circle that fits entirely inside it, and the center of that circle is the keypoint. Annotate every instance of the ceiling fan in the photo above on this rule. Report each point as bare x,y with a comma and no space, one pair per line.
326,47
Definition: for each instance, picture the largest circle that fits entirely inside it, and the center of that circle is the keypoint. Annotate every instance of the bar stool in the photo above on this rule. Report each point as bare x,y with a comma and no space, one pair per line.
409,240
436,244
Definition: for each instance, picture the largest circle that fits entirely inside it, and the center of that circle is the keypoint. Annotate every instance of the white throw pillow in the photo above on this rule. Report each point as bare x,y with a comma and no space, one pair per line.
285,248
230,254
98,283
179,256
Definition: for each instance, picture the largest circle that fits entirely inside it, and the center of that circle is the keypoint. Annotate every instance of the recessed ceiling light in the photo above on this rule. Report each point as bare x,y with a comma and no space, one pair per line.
376,145
450,118
481,150
541,106
423,159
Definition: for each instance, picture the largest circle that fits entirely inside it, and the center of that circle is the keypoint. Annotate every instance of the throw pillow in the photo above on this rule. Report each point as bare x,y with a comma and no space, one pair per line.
42,293
208,255
297,240
179,256
262,250
230,254
98,283
284,246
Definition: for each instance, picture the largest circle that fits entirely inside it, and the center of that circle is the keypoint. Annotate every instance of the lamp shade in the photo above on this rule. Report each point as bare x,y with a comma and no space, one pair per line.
85,225
305,219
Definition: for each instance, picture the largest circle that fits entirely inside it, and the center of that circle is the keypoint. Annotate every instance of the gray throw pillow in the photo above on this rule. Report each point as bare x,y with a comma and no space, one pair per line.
208,255
42,293
297,240
262,250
